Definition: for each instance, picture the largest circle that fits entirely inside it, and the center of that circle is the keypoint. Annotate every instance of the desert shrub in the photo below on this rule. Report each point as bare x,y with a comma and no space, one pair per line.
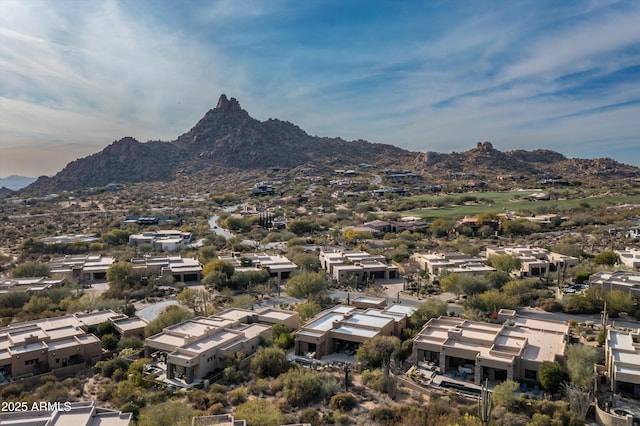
385,416
311,416
131,407
269,362
301,386
343,401
238,395
259,412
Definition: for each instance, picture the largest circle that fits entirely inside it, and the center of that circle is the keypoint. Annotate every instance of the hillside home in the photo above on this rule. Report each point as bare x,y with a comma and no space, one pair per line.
346,327
182,269
622,361
84,413
624,281
30,284
458,263
84,268
513,350
536,262
165,240
62,345
197,347
278,266
344,265
630,257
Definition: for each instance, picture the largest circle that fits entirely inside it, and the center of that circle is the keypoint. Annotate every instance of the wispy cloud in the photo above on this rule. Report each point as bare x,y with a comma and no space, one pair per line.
424,75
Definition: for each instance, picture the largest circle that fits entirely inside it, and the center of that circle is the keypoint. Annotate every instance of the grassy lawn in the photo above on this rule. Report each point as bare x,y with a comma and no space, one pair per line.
499,202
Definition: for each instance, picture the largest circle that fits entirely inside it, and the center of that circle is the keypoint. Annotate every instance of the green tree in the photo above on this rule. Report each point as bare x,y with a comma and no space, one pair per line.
259,412
607,258
116,237
307,285
377,352
193,299
31,269
172,315
440,227
218,265
307,261
505,262
431,308
206,254
504,394
301,386
119,274
307,310
269,362
302,227
580,361
551,375
109,342
619,301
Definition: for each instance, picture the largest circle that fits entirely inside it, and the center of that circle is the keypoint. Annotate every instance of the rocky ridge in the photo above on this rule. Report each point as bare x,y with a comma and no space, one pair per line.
228,140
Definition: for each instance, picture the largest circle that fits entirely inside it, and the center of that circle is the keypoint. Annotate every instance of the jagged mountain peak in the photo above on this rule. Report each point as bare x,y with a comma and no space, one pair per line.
227,140
228,104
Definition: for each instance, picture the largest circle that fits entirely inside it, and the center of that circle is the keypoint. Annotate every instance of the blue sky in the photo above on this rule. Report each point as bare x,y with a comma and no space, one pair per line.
423,75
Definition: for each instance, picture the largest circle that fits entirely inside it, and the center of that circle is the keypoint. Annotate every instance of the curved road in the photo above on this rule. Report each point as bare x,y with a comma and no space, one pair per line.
151,312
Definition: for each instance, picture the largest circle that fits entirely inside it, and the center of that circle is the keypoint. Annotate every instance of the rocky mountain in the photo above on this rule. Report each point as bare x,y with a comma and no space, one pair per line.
228,140
487,162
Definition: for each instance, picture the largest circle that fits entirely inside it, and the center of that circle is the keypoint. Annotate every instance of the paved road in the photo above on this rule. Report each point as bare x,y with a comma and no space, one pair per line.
151,312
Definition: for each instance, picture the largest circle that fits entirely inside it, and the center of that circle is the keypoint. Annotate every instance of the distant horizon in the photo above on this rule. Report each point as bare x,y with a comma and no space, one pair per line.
423,76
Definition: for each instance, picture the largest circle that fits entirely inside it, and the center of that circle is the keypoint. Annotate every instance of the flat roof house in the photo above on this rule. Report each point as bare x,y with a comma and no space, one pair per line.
83,413
342,265
88,267
30,284
278,266
622,361
514,350
630,257
458,263
197,347
182,269
536,262
624,281
164,240
61,345
346,326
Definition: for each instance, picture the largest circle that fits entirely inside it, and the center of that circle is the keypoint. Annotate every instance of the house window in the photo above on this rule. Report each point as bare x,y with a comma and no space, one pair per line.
530,375
57,360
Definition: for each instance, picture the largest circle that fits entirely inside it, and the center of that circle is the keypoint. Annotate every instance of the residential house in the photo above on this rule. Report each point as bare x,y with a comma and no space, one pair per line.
51,413
624,281
536,262
458,263
164,240
344,265
62,345
278,266
182,269
513,350
630,257
84,268
195,348
346,327
30,284
622,361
